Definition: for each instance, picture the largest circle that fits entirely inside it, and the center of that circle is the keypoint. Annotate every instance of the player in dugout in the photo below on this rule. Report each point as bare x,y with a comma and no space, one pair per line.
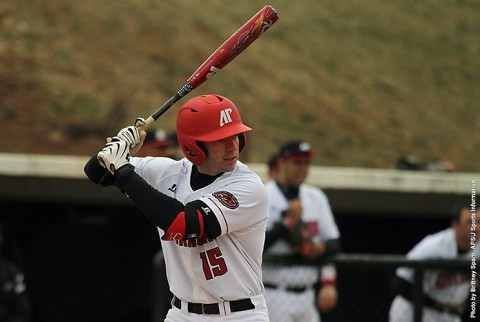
445,291
159,143
209,207
300,223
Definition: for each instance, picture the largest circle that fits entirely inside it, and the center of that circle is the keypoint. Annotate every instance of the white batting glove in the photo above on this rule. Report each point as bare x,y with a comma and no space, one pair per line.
131,135
114,155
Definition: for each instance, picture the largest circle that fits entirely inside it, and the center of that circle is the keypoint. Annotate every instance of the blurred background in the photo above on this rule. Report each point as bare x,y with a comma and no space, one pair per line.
373,85
364,81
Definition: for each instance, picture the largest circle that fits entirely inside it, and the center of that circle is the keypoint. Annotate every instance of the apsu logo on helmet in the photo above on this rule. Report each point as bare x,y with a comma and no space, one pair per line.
208,118
225,116
226,199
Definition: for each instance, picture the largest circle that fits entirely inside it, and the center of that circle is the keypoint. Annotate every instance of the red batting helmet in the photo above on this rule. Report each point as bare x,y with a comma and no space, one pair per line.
207,118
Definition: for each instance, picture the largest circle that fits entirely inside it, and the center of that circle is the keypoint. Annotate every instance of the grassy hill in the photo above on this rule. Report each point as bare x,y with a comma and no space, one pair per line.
365,81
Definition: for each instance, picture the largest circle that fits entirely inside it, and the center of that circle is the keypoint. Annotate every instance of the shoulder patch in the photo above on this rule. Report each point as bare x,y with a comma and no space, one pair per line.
226,199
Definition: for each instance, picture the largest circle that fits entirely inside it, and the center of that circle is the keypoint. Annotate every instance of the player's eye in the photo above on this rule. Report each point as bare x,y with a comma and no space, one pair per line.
233,137
301,162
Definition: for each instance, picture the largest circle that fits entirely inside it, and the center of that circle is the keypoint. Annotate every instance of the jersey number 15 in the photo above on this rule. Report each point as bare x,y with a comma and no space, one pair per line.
213,263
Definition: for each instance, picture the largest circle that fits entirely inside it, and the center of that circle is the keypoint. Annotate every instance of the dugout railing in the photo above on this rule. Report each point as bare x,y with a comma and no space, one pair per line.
364,284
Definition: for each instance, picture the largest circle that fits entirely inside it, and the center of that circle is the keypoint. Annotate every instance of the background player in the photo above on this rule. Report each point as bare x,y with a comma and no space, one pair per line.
210,209
300,222
445,291
159,143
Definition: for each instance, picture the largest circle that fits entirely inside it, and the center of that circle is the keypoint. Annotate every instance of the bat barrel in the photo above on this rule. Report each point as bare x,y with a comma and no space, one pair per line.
230,49
235,45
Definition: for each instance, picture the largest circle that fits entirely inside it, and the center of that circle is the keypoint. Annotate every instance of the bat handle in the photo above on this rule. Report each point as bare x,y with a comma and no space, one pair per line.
143,127
187,88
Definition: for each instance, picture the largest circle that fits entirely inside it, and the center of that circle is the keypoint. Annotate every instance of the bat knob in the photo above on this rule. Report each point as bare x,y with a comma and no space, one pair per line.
143,124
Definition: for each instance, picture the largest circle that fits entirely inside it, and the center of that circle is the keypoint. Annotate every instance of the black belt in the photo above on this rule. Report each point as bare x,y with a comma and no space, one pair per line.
200,308
294,289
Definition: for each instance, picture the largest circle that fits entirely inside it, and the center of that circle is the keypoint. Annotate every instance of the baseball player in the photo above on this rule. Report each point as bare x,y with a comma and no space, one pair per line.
446,292
158,143
300,222
210,210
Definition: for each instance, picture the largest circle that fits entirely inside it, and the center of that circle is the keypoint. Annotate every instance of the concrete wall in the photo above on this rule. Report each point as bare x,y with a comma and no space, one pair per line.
351,190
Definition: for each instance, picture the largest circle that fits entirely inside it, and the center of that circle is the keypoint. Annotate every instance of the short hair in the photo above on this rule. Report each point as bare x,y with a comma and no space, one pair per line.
457,210
295,148
272,162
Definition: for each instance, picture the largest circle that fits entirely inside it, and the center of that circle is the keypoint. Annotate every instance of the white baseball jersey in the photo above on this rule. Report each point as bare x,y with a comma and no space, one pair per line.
228,267
443,286
317,215
446,287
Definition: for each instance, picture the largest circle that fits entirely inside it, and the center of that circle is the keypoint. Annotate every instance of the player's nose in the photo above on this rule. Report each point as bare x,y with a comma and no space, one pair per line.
231,143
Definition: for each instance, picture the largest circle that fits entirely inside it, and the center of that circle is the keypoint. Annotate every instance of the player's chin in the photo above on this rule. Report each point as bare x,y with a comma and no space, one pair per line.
229,164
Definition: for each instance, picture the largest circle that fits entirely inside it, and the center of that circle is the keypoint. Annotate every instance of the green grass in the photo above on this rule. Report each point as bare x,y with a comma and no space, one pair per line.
365,81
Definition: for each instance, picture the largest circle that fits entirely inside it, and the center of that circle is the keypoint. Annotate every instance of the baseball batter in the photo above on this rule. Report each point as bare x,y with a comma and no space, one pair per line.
300,222
210,210
445,291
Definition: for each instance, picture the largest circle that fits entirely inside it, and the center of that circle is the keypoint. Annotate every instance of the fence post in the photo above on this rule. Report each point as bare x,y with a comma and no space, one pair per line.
418,294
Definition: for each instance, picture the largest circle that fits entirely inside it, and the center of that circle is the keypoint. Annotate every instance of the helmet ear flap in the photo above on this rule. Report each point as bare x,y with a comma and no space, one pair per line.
242,141
203,148
196,154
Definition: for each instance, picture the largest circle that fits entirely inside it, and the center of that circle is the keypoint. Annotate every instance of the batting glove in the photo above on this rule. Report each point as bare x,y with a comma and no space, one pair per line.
114,155
131,135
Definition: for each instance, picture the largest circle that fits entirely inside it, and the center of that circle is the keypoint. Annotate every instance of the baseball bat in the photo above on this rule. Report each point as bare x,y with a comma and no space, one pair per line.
231,48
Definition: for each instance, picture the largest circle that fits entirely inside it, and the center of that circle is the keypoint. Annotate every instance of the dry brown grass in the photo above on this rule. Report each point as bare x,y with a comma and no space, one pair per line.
364,81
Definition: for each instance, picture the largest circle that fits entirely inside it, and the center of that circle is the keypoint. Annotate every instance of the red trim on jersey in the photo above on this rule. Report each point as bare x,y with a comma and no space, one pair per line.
328,282
220,209
328,275
177,230
306,249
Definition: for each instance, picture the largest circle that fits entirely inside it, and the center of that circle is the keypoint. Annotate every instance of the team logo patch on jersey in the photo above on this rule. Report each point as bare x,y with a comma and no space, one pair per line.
226,199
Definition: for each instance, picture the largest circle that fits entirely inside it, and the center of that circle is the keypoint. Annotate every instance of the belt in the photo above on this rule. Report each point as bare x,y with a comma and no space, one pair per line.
293,289
200,308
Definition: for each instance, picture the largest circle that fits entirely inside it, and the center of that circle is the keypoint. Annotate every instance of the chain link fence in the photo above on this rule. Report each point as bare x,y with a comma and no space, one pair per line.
365,284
